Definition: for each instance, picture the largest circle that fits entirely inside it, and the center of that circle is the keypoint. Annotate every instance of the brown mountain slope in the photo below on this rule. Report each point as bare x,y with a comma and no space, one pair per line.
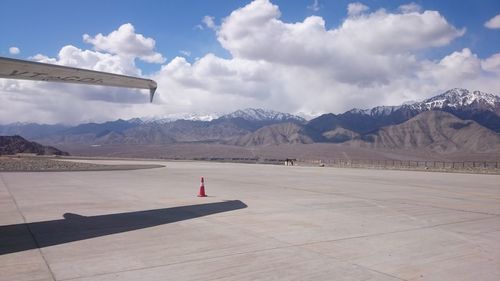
273,135
436,131
15,144
340,134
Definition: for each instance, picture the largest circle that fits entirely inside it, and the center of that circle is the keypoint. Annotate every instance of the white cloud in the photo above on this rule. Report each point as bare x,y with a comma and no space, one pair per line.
464,62
314,6
364,50
14,50
493,23
354,9
410,8
256,32
492,64
185,53
72,56
458,66
462,69
384,32
126,42
209,22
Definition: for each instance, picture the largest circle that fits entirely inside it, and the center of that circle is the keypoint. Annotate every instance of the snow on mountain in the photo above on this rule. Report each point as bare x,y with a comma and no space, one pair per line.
459,98
250,114
174,117
254,114
376,111
201,117
455,98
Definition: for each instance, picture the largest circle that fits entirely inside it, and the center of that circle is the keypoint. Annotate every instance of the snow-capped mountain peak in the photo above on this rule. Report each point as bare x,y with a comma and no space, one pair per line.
458,98
174,117
455,99
257,114
376,111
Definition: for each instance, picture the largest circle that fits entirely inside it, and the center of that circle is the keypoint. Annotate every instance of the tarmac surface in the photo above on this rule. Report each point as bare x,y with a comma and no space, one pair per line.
260,222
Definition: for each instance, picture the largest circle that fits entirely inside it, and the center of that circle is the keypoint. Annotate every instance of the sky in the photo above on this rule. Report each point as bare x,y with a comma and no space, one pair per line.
305,57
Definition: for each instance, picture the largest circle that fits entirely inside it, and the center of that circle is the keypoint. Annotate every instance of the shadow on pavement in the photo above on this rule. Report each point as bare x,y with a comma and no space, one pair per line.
26,236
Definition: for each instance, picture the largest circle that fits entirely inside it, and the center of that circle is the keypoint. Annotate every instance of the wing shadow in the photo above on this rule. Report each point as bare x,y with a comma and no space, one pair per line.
26,236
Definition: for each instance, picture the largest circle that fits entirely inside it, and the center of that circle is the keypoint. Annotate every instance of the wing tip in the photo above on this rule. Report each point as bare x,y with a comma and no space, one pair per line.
151,94
152,89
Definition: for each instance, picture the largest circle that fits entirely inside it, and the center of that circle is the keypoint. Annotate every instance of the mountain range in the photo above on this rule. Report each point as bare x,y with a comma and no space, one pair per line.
481,107
457,120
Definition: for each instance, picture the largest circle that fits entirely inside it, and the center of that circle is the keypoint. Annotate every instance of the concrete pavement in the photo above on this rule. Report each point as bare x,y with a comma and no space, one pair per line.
260,222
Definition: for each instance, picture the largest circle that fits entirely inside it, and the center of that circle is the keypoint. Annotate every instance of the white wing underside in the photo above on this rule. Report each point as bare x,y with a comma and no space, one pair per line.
28,70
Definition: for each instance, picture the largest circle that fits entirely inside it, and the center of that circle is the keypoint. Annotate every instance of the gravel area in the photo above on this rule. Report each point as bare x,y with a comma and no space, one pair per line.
19,164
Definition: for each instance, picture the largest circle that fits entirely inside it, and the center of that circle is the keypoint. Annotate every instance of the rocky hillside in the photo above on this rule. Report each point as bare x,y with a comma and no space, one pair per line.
437,131
289,133
10,145
339,135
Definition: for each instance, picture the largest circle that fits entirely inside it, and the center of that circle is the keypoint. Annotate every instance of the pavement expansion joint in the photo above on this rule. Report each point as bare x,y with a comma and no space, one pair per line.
380,200
27,226
393,232
182,262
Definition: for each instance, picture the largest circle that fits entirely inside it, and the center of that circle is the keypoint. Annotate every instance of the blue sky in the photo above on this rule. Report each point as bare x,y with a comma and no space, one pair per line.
46,27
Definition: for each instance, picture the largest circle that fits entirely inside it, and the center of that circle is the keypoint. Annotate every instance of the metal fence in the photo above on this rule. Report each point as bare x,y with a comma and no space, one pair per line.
406,164
367,163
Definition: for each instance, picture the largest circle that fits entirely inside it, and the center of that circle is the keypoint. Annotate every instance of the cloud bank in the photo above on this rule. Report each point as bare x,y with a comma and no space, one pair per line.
373,57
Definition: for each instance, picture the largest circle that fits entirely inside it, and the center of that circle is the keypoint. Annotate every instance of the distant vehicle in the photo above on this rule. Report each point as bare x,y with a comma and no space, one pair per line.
29,70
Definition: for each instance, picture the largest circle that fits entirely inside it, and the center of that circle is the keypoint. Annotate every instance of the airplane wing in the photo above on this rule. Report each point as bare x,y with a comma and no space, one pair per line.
29,70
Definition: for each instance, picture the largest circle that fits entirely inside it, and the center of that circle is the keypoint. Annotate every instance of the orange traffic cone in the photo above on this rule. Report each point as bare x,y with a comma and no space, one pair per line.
202,189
